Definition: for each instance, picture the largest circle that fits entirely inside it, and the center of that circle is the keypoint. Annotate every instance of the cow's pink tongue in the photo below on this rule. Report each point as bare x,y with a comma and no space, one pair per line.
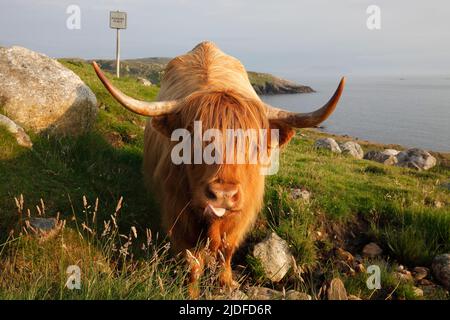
217,211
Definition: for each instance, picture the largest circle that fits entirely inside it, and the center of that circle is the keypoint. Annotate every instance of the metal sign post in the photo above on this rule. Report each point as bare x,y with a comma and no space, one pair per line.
117,20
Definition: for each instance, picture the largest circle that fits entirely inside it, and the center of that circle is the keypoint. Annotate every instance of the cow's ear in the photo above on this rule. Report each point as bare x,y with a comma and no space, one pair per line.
285,132
166,124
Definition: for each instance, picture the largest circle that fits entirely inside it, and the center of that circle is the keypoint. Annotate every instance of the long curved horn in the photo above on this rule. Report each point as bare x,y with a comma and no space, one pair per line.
157,108
310,119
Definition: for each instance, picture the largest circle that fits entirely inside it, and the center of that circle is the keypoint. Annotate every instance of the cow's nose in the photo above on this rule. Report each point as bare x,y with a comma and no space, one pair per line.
222,195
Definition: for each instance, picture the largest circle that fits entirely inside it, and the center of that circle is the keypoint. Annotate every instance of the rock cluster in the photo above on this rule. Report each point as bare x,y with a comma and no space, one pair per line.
300,193
414,158
350,147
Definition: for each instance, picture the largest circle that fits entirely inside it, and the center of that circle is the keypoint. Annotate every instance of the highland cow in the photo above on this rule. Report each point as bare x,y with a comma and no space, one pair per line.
209,207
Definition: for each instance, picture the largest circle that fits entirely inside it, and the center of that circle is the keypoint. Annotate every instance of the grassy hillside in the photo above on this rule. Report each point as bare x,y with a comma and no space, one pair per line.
353,202
149,68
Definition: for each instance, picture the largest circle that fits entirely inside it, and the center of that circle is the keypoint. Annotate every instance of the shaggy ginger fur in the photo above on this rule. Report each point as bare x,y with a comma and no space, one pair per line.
216,91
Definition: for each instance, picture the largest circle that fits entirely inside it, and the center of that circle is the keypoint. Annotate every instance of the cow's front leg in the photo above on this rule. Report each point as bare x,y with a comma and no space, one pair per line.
222,247
226,274
196,266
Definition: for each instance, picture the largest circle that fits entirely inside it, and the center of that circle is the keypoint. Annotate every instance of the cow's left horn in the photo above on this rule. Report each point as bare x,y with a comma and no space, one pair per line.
157,108
310,119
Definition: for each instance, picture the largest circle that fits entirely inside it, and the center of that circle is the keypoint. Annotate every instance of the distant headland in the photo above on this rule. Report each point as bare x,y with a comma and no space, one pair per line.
153,68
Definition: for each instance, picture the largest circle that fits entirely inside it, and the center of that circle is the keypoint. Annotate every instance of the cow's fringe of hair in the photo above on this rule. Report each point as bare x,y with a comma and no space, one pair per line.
223,110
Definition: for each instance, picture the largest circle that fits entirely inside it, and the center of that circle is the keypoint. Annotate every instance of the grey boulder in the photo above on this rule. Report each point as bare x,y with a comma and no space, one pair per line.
328,143
352,148
441,269
274,255
416,159
387,157
41,95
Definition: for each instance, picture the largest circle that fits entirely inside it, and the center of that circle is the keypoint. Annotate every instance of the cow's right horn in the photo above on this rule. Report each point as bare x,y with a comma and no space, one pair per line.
309,119
157,108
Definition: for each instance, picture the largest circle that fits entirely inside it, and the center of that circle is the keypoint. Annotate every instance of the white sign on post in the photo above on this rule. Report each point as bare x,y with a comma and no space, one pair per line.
118,20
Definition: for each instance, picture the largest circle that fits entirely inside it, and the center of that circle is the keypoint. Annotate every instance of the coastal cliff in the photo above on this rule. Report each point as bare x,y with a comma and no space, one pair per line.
153,68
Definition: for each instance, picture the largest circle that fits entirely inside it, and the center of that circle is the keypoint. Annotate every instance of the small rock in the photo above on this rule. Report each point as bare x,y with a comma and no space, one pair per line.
303,194
382,157
405,271
438,204
417,291
416,159
420,273
275,257
297,295
262,293
43,224
21,137
403,276
352,148
372,250
446,185
430,289
328,143
441,269
336,290
144,82
426,282
44,228
352,297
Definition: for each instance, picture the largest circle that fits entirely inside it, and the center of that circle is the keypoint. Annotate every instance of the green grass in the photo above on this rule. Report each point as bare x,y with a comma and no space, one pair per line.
33,269
394,206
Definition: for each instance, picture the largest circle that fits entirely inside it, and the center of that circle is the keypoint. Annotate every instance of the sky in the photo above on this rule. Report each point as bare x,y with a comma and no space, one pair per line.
285,37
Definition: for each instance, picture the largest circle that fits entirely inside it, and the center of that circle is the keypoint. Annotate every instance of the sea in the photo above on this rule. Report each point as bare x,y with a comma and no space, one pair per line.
410,111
